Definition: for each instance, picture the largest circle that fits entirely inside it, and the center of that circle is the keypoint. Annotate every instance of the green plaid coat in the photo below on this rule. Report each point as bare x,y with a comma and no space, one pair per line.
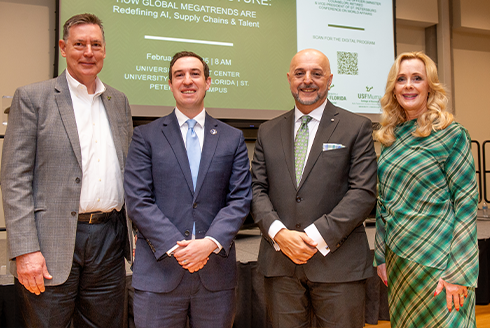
427,204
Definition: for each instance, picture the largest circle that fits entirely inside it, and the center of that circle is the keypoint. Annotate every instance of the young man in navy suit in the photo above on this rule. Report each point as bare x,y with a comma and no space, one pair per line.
188,191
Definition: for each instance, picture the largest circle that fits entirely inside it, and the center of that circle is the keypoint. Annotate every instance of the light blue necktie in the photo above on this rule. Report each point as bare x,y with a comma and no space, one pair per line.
193,150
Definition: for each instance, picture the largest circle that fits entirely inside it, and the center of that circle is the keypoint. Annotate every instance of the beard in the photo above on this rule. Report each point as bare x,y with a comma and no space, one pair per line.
308,102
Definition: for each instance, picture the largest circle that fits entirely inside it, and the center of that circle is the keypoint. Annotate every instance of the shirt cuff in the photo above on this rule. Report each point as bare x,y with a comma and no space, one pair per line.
275,227
218,245
172,250
314,234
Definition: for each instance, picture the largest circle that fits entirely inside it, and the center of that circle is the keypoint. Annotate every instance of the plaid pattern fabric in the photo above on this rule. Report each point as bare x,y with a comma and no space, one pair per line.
428,201
411,298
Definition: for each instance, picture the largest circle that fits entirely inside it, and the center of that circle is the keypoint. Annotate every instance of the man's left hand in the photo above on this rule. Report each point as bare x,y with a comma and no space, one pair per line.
296,245
193,254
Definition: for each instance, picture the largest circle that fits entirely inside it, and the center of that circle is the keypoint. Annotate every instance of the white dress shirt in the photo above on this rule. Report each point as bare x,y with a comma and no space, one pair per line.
311,230
102,183
198,128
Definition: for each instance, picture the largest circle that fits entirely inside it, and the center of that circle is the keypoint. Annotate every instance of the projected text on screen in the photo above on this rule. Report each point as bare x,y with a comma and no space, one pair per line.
248,45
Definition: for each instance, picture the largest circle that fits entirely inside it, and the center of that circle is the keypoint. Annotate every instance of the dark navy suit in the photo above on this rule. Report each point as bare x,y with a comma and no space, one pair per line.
162,202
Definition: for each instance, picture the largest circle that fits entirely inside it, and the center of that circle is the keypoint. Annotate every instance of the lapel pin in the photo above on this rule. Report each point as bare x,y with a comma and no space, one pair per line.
108,97
332,120
213,131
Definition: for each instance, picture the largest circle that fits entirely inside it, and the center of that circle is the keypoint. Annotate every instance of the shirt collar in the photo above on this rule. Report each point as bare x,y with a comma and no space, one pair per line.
181,118
315,114
75,85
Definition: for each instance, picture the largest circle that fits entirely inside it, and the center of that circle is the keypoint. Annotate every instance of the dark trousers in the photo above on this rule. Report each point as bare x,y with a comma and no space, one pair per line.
190,302
10,316
296,302
93,294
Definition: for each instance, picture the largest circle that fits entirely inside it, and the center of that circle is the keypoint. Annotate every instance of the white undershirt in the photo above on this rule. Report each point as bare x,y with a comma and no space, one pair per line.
102,183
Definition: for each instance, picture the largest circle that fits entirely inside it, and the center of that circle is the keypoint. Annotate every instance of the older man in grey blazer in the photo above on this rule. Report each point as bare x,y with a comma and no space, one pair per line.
314,183
62,182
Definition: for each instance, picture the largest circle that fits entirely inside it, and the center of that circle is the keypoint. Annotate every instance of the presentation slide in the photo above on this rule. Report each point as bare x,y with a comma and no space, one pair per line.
248,45
357,37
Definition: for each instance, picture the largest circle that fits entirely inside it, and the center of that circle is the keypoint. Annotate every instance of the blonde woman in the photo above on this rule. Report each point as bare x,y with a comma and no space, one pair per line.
426,245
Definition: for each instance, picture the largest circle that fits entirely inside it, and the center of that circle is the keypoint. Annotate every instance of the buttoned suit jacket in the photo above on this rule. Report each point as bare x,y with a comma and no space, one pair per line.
42,171
336,193
164,206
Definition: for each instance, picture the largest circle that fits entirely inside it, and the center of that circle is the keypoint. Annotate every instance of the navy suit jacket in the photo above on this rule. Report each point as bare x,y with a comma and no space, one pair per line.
162,202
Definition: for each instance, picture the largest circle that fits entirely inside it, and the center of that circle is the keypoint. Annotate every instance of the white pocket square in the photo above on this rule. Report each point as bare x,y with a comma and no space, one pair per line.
332,146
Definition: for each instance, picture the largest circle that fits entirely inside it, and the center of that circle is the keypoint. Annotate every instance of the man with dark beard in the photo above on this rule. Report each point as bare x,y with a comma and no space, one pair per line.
314,183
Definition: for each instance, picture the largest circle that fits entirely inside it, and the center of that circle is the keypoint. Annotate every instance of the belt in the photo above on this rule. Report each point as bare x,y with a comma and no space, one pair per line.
95,217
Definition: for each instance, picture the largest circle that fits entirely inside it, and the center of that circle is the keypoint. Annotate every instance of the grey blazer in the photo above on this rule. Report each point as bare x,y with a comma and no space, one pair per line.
336,193
42,171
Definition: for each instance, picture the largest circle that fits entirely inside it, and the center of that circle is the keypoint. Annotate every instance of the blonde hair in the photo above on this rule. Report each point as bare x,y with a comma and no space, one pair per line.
435,118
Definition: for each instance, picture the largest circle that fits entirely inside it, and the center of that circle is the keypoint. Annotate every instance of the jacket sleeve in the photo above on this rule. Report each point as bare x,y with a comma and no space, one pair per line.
263,211
230,218
462,265
18,161
379,243
160,233
360,197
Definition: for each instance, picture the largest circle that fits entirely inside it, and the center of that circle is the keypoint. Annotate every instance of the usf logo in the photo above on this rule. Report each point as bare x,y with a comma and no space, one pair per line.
368,89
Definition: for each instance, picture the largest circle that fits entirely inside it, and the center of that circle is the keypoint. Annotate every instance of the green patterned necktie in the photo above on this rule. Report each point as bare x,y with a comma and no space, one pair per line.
301,146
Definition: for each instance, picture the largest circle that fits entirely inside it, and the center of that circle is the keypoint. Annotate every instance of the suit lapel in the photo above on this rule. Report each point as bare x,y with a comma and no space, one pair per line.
171,131
327,125
287,136
65,106
211,137
112,117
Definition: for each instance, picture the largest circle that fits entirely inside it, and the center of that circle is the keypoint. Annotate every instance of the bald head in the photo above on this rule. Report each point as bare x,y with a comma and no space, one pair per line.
309,79
311,55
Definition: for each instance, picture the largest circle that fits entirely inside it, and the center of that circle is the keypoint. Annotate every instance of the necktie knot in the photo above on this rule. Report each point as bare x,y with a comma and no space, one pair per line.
305,119
191,123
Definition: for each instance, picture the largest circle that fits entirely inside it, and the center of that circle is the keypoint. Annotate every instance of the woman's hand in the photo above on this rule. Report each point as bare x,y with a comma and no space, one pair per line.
454,293
382,273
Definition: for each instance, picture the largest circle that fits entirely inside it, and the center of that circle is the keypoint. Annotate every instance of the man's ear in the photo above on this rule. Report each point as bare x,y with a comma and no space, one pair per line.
62,46
208,83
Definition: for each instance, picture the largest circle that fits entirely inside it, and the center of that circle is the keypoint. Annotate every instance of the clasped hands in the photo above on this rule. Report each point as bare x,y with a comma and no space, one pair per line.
296,245
193,254
454,293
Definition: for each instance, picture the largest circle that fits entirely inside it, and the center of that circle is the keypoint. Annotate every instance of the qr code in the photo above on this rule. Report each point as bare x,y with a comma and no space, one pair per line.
347,63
